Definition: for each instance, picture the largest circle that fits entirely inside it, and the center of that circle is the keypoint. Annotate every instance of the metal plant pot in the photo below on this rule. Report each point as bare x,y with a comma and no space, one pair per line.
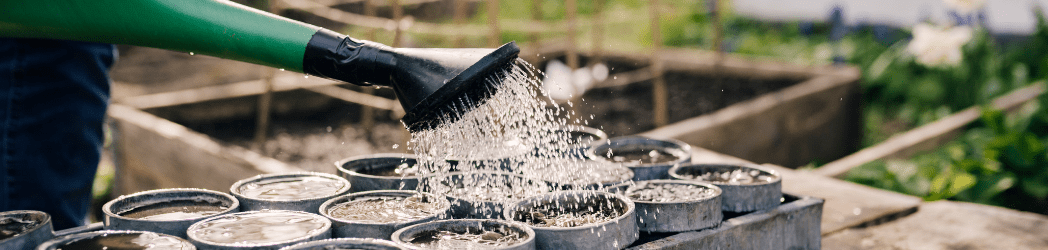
634,145
503,188
675,216
299,202
24,229
616,233
408,235
367,172
117,240
130,212
346,243
368,229
737,196
257,230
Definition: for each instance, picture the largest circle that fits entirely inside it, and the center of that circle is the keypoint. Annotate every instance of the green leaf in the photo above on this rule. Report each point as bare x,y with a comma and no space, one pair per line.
988,187
1036,187
961,182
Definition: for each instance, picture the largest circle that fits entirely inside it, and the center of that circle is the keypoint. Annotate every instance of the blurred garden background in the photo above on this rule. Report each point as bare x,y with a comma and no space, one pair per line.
920,62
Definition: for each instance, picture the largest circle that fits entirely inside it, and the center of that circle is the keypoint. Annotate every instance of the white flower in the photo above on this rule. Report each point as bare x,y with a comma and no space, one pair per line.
965,7
938,46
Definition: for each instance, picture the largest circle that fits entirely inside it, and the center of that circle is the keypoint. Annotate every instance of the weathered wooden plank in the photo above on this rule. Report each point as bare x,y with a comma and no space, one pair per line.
950,225
927,137
812,120
157,153
282,82
847,204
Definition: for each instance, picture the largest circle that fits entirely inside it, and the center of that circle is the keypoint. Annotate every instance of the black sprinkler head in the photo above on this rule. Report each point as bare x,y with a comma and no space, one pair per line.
433,85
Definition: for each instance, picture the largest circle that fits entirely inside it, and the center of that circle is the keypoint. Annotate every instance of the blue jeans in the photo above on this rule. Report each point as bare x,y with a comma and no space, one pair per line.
53,99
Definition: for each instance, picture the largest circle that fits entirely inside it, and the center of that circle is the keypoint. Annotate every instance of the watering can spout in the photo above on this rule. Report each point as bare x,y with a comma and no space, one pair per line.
433,85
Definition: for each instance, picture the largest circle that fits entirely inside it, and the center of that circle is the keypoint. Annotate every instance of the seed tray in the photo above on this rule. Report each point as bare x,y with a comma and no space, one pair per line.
795,224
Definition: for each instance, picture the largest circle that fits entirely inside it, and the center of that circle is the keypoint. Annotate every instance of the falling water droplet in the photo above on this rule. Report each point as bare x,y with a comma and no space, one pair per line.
191,53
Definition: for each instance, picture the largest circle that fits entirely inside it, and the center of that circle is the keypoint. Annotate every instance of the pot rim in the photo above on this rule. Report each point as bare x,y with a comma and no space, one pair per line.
325,227
445,205
522,226
235,188
107,209
79,236
40,224
717,191
683,153
341,165
776,177
323,242
630,209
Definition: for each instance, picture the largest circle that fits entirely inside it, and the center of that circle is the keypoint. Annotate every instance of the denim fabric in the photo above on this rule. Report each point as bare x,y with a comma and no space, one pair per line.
53,99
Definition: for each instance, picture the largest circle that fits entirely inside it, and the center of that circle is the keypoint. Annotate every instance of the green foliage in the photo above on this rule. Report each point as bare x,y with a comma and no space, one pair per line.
1001,161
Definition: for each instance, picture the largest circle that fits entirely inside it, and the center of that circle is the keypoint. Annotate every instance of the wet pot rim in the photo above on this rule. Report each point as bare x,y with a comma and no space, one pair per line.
39,225
631,208
718,191
107,208
54,242
235,188
775,174
684,154
341,165
446,205
522,226
189,236
343,240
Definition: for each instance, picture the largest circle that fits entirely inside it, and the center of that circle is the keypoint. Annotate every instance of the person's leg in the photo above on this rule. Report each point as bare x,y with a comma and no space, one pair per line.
53,98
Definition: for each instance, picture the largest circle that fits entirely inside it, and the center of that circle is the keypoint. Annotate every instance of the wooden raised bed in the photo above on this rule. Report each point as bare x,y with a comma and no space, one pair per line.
764,112
201,137
928,137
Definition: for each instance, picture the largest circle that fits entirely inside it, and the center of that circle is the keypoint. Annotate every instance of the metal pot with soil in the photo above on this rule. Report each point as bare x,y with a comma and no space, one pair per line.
166,211
346,243
24,229
578,220
467,234
380,172
267,229
649,158
377,214
483,194
673,205
117,240
301,191
746,187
